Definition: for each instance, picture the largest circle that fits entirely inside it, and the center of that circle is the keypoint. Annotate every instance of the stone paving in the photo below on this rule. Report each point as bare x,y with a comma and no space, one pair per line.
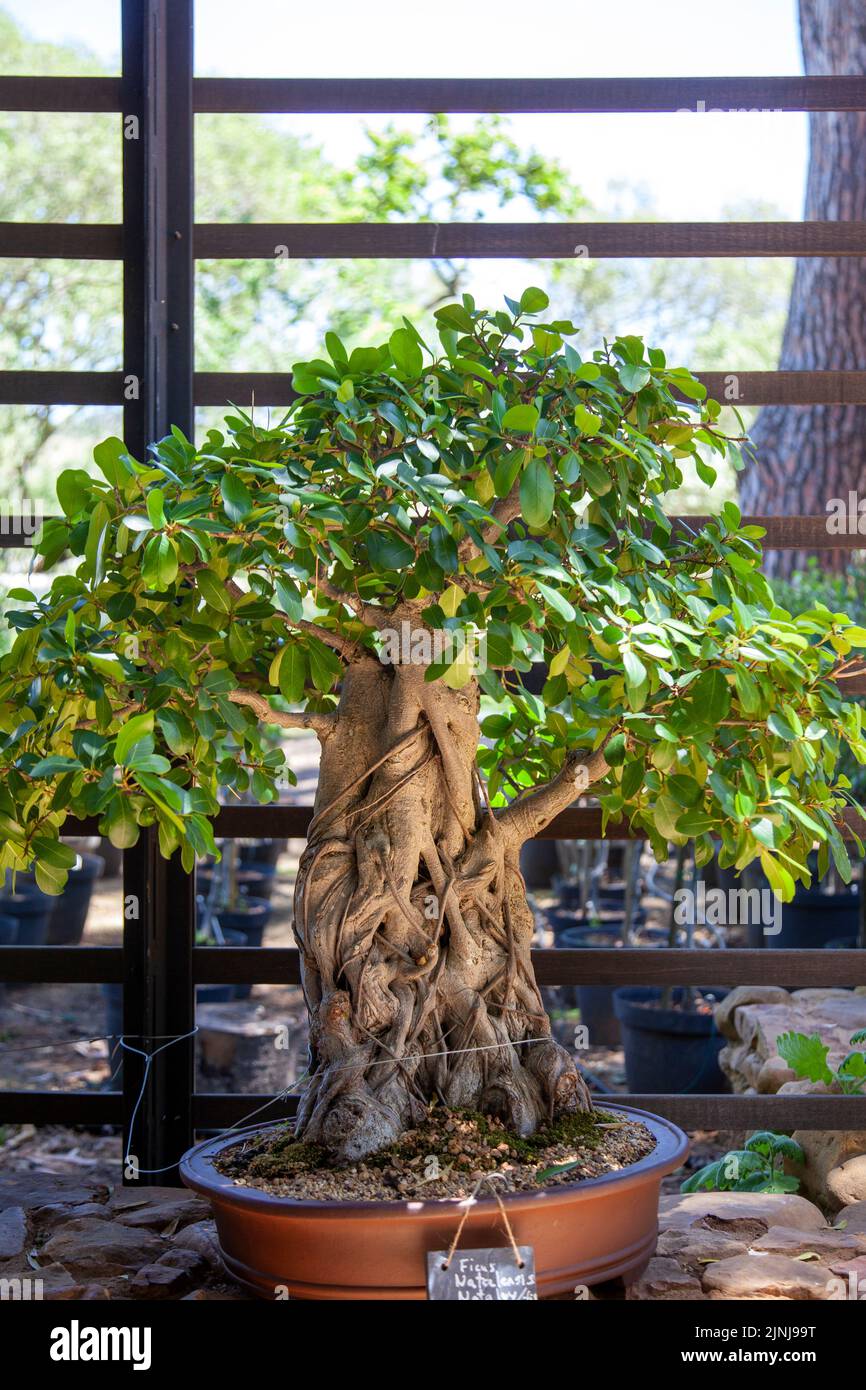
83,1240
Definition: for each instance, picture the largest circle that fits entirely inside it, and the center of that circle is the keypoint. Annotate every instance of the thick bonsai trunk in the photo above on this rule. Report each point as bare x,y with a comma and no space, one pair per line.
413,925
807,455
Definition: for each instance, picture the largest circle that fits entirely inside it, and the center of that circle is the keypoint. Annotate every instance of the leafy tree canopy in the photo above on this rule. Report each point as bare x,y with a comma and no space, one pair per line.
498,482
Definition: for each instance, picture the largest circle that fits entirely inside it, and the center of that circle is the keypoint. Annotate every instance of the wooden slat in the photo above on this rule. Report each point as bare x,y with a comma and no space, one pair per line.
618,967
224,1109
60,1108
276,822
61,94
61,388
710,1112
544,94
51,965
544,240
786,388
779,1113
738,388
789,532
61,240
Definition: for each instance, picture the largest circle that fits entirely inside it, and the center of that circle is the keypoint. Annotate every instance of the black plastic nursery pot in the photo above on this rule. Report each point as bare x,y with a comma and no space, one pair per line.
668,1050
246,924
254,881
30,911
69,911
810,920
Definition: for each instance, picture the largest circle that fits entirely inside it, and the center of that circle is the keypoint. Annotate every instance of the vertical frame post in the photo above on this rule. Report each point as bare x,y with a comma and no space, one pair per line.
158,354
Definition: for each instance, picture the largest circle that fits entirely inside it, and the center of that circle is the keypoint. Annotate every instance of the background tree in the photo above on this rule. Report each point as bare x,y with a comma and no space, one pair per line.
810,454
502,494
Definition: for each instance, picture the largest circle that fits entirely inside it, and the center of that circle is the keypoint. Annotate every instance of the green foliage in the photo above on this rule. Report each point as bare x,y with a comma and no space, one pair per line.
505,485
807,1056
756,1168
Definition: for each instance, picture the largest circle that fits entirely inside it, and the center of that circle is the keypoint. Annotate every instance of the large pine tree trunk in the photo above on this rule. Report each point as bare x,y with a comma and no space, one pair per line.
413,926
810,454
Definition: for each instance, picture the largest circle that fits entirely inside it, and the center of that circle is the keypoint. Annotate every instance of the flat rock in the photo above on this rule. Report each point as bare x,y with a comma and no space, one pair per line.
852,1218
168,1277
216,1296
835,1169
53,1279
789,1240
664,1279
747,1215
92,1247
34,1190
697,1246
745,994
156,1208
770,1276
201,1238
13,1233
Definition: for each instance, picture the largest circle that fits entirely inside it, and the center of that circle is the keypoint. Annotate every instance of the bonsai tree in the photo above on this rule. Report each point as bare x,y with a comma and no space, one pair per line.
427,526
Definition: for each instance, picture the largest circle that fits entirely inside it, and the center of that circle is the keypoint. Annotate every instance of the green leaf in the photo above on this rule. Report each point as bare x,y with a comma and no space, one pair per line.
807,1056
156,508
710,697
214,591
521,419
107,457
537,493
160,562
236,497
633,377
533,301
388,551
134,731
291,674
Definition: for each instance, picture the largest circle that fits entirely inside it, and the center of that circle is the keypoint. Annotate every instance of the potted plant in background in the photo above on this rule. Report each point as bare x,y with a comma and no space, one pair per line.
383,567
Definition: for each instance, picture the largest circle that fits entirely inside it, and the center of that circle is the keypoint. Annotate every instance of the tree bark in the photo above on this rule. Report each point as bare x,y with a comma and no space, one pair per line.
807,455
413,925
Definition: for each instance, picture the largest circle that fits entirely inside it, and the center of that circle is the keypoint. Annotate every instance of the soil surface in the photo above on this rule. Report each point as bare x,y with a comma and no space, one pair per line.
444,1157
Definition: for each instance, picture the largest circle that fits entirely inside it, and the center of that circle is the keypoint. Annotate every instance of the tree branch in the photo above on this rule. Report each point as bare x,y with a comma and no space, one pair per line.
526,817
344,645
319,722
503,511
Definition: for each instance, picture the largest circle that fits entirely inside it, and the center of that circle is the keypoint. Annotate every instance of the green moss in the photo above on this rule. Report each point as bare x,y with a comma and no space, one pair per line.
284,1157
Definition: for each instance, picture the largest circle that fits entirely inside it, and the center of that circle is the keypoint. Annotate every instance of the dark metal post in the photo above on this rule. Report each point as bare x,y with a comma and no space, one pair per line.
158,347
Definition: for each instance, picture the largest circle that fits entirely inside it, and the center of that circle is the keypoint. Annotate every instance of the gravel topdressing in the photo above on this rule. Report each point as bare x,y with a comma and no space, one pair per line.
442,1158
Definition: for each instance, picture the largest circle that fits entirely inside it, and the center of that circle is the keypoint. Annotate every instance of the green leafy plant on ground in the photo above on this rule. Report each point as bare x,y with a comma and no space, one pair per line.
807,1056
755,1168
426,526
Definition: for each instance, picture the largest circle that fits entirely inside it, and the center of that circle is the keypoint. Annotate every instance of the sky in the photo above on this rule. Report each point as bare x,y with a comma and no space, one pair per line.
692,166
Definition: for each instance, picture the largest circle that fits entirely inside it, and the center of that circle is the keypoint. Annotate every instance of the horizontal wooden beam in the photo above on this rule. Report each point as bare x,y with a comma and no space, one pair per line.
61,388
779,1113
559,95
533,240
73,241
275,388
61,1108
734,387
224,1110
61,94
613,966
52,965
583,95
292,822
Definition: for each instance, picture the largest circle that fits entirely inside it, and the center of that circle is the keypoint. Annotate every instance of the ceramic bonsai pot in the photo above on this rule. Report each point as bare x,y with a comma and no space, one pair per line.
582,1233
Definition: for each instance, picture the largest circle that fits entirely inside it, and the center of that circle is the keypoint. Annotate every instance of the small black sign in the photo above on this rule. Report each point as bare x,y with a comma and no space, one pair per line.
482,1276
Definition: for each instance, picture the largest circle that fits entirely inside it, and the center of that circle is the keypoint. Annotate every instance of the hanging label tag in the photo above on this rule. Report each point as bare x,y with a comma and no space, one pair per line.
486,1276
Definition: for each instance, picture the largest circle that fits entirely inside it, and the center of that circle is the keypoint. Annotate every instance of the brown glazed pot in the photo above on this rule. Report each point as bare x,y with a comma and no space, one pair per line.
582,1233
